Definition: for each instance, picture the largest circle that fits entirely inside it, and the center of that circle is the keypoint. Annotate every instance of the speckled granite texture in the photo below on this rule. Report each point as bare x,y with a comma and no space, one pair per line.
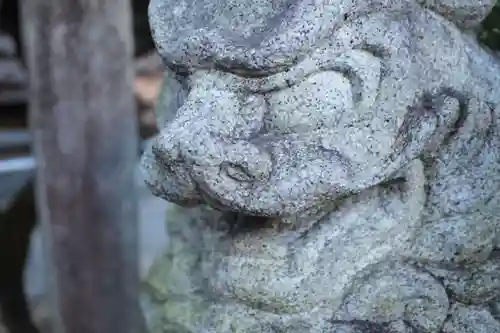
334,168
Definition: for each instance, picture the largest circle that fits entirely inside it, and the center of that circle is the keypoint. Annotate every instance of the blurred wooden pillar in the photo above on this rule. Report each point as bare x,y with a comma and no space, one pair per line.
79,55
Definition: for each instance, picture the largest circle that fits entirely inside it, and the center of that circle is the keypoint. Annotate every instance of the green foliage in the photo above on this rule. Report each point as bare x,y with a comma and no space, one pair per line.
490,30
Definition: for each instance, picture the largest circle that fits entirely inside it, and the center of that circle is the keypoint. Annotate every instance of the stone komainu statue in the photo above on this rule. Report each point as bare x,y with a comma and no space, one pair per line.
336,166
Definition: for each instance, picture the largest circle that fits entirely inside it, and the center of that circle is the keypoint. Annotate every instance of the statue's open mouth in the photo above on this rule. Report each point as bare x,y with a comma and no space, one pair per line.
239,223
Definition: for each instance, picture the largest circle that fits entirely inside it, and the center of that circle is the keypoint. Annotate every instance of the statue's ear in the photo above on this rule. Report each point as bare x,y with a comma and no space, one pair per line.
172,95
467,14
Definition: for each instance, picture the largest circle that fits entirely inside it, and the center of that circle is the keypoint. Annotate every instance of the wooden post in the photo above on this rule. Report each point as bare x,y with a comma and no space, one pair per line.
79,55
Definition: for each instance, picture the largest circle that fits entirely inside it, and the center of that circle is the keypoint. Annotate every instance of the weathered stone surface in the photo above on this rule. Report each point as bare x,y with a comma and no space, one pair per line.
478,284
338,163
470,320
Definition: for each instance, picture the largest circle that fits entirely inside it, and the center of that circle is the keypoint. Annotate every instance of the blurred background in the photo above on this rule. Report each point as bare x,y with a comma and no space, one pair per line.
17,206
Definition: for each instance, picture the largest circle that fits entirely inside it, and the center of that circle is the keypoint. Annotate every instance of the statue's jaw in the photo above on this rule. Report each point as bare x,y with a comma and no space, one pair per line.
181,189
305,184
279,198
258,210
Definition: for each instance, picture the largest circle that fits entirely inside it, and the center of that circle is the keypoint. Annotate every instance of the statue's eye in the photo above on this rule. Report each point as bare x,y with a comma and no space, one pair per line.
363,69
317,102
349,82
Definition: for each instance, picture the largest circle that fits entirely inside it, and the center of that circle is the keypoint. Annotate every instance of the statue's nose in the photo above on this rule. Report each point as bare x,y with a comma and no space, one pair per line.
245,162
166,150
241,160
211,131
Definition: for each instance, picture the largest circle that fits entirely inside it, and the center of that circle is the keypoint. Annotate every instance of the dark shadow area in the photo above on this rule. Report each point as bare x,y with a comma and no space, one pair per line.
490,30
